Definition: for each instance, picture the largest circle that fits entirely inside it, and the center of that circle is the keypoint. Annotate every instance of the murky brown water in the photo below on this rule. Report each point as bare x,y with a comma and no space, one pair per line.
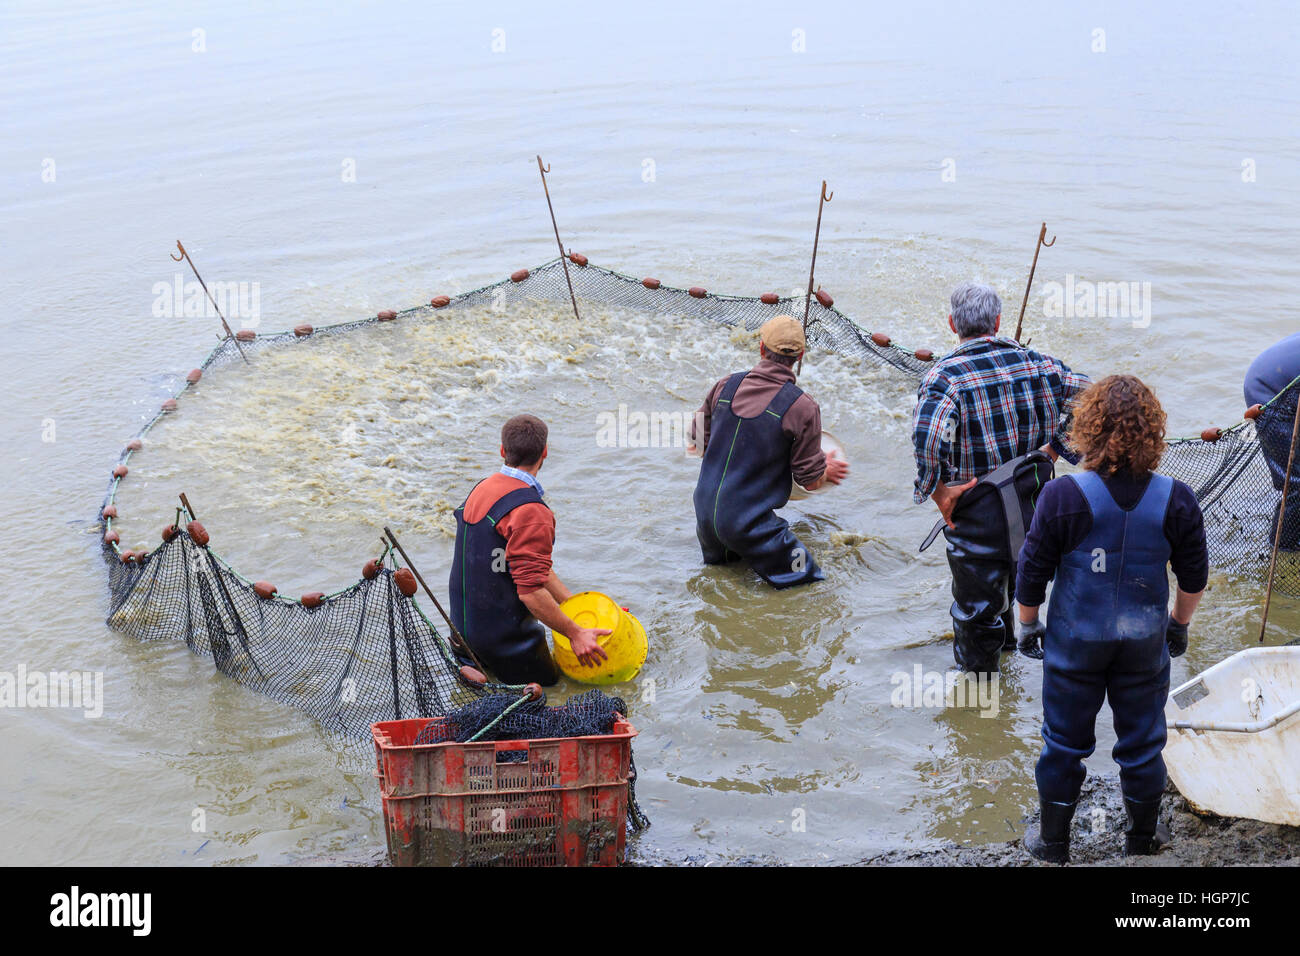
770,710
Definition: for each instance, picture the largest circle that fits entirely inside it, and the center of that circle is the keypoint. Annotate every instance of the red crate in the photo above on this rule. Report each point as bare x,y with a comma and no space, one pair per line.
554,802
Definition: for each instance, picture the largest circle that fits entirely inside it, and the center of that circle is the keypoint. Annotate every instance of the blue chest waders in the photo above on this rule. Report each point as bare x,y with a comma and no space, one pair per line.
744,478
485,605
1106,640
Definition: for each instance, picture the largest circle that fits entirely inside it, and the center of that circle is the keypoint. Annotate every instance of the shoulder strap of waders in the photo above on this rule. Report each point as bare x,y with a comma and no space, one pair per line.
783,400
460,512
512,500
729,390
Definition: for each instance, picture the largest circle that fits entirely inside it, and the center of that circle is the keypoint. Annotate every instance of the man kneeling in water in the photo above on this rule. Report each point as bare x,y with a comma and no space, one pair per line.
503,589
758,430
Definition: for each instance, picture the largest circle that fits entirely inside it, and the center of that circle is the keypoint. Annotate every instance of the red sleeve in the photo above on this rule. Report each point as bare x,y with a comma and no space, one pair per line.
529,531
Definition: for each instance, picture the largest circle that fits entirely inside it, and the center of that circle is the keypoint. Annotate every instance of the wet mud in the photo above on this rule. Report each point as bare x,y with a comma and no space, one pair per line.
1097,838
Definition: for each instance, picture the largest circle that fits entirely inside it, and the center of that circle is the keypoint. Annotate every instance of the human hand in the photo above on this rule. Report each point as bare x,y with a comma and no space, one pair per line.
837,468
585,643
945,497
1030,641
1176,637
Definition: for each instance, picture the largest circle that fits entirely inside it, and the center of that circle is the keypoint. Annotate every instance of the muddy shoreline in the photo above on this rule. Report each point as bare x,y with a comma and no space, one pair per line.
1097,838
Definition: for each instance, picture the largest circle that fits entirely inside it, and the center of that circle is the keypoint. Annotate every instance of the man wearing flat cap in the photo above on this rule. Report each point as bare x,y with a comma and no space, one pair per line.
756,431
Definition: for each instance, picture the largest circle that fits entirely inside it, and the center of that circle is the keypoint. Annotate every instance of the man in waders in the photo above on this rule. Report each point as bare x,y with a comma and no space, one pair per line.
503,589
758,431
1109,536
989,423
1268,377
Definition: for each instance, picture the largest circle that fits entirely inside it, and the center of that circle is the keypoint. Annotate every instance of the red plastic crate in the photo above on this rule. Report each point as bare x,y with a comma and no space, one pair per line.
554,802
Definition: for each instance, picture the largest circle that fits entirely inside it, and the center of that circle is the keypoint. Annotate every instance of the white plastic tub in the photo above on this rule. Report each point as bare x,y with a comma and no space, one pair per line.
1234,736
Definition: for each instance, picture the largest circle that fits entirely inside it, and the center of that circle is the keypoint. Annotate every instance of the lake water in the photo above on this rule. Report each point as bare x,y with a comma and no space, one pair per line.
343,162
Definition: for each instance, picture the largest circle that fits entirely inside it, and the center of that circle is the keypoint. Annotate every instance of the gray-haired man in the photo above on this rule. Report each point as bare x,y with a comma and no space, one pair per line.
991,417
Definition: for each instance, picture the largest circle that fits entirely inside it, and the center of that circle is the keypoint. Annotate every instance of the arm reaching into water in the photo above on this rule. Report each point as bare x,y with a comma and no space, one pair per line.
544,604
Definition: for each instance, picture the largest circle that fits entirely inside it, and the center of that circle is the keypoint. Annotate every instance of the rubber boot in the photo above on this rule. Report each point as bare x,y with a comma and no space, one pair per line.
1051,841
1145,834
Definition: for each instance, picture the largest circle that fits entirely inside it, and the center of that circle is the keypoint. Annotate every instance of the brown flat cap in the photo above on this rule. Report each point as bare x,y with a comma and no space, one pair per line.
783,334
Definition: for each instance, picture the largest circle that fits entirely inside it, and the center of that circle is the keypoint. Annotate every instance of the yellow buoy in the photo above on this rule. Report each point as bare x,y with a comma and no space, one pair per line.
625,645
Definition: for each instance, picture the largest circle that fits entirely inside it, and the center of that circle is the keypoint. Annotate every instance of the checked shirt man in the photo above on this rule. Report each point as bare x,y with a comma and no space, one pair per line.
991,418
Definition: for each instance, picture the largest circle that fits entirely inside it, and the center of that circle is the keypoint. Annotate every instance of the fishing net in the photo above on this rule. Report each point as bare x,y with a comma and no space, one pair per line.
368,652
1238,475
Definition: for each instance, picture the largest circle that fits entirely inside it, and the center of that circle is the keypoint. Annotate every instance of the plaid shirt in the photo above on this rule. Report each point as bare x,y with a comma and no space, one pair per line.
986,402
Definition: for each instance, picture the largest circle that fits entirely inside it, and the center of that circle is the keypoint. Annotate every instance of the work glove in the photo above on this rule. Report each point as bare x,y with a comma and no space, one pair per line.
1176,637
1030,641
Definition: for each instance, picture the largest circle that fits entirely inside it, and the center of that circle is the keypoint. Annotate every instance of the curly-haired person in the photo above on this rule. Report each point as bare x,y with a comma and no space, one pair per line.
1108,536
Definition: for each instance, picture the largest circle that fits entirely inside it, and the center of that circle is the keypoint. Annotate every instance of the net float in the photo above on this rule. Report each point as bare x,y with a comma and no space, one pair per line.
405,581
169,532
245,335
1253,412
302,331
472,675
769,298
697,292
925,355
534,691
134,444
881,339
440,301
313,598
194,375
170,405
128,557
386,316
264,589
112,537
824,298
519,275
198,534
1212,434
650,283
110,511
578,259
120,471
370,570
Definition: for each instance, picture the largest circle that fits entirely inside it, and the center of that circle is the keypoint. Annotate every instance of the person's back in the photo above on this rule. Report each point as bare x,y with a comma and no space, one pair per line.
504,536
1002,400
759,431
1272,370
1108,537
504,591
988,423
1113,587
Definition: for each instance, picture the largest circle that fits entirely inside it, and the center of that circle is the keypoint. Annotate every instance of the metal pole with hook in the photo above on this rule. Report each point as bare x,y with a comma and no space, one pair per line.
185,257
812,269
1281,516
563,261
1041,244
